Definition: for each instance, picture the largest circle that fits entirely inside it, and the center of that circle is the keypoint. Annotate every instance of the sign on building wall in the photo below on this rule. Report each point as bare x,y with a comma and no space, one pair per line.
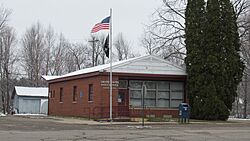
105,84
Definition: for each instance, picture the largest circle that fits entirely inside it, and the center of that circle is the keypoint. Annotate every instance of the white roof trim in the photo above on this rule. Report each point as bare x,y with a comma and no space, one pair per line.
32,91
115,65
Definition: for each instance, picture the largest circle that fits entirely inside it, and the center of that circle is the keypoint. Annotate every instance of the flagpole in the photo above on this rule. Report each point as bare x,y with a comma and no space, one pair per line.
110,54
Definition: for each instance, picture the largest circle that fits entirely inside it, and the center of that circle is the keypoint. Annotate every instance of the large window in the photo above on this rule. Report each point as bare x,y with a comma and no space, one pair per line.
123,84
135,92
61,95
159,93
163,92
177,90
91,92
74,93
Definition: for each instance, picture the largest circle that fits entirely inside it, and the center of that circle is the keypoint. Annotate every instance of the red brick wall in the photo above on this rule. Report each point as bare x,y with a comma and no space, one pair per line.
160,112
99,107
82,107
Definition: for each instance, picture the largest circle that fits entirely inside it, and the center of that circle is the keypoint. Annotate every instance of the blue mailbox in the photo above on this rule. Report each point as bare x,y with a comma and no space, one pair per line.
184,110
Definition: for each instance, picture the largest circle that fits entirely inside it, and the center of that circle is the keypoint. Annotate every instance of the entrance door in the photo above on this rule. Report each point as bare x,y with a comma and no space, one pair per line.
31,106
123,103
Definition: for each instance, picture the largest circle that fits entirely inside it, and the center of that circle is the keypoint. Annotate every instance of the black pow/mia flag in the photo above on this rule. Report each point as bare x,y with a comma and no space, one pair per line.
106,46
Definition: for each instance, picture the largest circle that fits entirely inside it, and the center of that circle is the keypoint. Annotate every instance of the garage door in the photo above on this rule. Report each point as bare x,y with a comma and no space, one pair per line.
30,106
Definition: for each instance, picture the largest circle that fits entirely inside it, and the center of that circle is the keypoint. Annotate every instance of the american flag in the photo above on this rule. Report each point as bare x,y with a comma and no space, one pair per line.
103,25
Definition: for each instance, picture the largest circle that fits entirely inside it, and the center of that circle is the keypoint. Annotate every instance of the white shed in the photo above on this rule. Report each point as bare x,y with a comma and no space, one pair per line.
32,100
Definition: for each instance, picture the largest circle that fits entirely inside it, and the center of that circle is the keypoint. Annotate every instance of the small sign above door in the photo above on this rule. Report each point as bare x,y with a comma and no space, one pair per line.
105,84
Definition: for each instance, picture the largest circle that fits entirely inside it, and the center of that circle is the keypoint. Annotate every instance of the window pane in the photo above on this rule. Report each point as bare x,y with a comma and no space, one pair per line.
61,94
149,102
176,95
150,84
74,93
135,93
91,92
150,94
175,103
163,85
123,83
163,94
177,86
135,84
135,102
163,103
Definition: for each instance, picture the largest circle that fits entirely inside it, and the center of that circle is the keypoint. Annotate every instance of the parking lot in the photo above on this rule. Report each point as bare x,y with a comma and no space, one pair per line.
13,128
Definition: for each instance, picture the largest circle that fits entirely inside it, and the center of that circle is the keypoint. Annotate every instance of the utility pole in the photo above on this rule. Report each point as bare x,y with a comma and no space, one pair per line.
245,97
144,92
93,41
237,107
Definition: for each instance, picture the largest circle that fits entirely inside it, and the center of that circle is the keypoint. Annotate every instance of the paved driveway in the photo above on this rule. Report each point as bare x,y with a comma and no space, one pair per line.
58,129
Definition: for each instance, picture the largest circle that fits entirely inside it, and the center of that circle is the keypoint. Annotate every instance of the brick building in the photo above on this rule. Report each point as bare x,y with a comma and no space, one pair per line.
85,92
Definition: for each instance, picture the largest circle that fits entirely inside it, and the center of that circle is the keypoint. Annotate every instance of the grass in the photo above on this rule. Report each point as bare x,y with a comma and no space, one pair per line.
69,117
161,119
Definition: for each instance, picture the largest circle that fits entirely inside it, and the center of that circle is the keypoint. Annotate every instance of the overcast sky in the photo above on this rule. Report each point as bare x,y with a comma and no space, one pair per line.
75,18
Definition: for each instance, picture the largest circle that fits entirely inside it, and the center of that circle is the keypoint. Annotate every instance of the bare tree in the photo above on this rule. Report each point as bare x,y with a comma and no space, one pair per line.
122,47
33,52
166,32
7,60
76,57
167,28
80,54
4,16
241,7
243,88
96,50
49,45
149,43
57,54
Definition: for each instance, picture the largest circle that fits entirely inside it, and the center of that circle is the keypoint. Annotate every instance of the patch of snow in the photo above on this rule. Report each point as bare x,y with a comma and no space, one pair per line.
241,101
46,77
239,119
2,115
139,127
28,114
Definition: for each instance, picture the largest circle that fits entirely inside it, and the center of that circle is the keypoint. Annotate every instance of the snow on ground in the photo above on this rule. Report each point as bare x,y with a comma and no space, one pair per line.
2,115
239,119
28,114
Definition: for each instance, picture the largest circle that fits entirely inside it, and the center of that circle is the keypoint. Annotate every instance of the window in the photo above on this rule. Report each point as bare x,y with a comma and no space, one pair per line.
135,84
91,92
74,93
53,94
50,94
177,92
61,95
159,93
163,99
123,84
135,97
135,92
150,99
163,95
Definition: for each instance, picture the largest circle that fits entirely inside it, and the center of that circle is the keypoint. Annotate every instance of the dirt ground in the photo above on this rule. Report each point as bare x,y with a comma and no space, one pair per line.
13,128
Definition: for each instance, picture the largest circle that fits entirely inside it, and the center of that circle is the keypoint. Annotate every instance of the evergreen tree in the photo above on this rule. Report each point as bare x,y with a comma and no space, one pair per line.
195,20
231,67
213,63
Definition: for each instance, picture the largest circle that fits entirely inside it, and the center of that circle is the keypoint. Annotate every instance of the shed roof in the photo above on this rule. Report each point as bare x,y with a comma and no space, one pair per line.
148,64
32,91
